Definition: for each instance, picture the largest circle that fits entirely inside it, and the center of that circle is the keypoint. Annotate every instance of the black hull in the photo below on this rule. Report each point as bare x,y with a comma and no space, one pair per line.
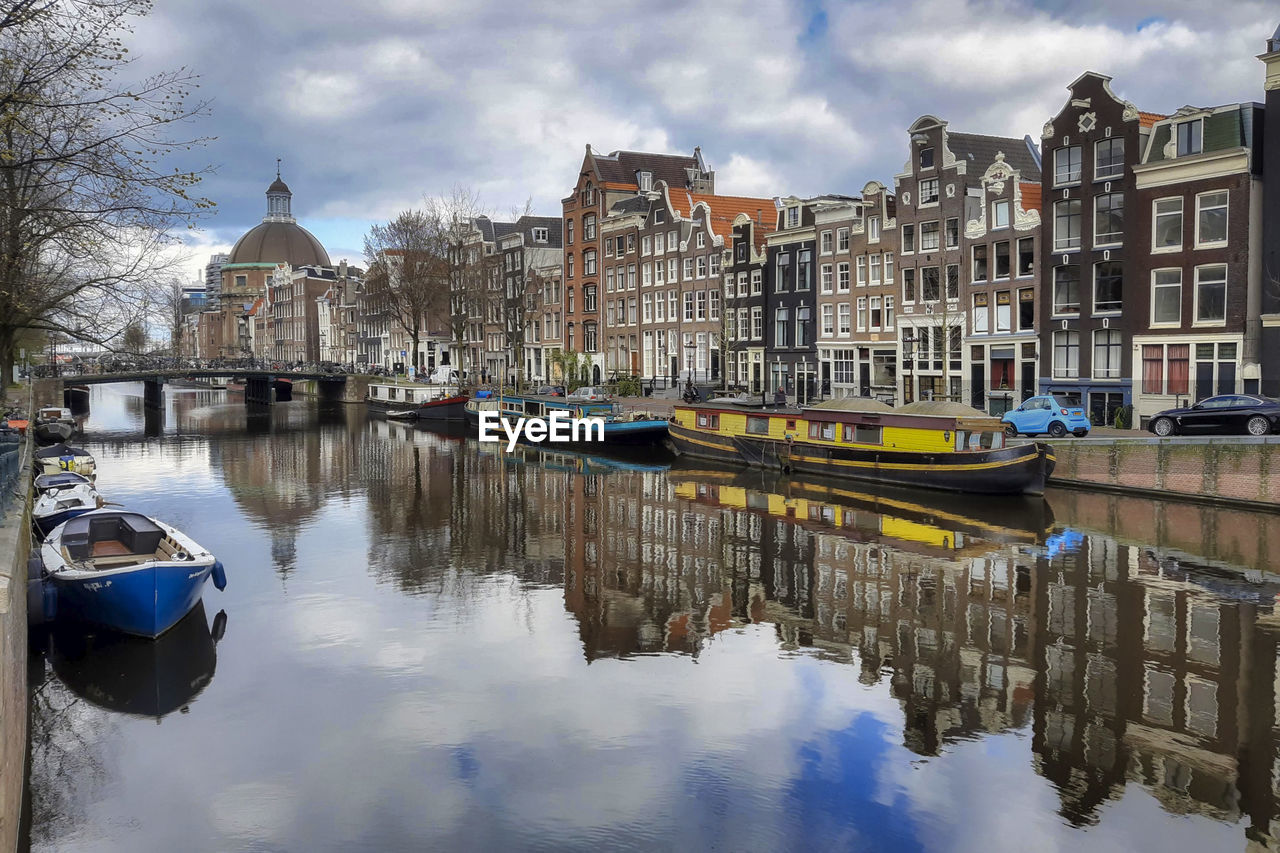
628,438
1022,469
52,433
449,412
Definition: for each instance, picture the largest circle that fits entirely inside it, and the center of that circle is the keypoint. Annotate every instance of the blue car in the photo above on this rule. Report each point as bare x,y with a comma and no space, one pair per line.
1046,413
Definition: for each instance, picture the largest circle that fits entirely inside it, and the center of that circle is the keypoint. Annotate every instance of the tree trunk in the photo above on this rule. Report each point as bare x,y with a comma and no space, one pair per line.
7,336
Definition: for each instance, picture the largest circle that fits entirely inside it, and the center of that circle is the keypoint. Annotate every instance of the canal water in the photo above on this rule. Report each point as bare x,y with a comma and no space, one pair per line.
426,643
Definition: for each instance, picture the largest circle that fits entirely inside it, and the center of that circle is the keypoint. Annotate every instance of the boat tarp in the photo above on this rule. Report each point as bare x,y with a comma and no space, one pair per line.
852,404
57,451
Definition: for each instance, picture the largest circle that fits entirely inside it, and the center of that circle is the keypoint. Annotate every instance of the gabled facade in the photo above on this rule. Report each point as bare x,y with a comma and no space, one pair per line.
1091,252
1269,247
1198,288
745,300
940,191
604,180
791,351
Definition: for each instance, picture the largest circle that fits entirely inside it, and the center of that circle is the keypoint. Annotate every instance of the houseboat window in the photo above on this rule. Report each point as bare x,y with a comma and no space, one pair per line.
702,419
758,426
825,431
708,421
866,434
791,424
984,440
391,393
408,396
532,407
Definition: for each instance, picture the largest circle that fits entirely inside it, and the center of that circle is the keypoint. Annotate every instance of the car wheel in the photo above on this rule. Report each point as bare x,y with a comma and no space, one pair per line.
1011,430
1162,427
1258,425
1057,429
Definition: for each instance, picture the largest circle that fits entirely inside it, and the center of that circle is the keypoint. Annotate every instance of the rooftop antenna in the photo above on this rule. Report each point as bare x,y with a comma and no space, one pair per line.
277,168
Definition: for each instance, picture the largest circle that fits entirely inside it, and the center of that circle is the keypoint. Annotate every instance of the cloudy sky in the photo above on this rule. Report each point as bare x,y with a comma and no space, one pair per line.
373,104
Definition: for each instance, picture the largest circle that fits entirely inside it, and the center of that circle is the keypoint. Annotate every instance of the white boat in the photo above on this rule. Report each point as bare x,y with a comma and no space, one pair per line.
61,497
126,571
54,424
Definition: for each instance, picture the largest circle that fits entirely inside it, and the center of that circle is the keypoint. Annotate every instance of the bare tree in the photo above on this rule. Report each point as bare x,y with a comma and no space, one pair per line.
87,196
470,271
408,265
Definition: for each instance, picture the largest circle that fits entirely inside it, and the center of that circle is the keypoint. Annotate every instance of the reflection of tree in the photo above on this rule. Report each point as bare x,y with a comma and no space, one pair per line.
65,767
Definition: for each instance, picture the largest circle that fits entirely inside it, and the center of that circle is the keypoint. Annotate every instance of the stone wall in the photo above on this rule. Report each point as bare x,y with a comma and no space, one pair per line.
1236,470
15,546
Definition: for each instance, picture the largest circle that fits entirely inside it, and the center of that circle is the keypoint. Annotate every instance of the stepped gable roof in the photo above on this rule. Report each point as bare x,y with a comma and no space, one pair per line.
620,167
980,152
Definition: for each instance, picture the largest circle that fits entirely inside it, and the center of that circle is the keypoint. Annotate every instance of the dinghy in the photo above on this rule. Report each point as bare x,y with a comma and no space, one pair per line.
64,457
61,497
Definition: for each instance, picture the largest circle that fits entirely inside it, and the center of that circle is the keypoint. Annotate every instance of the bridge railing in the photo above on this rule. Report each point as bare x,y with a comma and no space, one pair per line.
166,364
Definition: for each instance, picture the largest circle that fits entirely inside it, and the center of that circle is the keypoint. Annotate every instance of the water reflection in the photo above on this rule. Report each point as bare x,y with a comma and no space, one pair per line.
441,644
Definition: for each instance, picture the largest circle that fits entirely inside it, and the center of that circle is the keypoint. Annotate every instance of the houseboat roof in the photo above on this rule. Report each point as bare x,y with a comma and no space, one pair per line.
853,404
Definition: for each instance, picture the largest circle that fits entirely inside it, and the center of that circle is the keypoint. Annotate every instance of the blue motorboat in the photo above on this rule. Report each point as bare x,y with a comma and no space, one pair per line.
619,428
126,571
62,497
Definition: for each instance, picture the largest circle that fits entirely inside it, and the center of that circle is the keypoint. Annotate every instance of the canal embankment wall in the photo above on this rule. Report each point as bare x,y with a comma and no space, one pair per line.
1232,471
15,547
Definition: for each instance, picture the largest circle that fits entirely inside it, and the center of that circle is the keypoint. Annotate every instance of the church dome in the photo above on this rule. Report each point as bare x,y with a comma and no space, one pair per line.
279,242
279,239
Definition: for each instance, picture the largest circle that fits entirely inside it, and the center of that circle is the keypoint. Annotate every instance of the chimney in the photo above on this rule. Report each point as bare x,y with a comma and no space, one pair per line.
342,268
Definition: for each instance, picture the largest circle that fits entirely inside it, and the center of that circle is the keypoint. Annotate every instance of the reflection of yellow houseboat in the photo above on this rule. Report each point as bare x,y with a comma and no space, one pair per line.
931,524
925,444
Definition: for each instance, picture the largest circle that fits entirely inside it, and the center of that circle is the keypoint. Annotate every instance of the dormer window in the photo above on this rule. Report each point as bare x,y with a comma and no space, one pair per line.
926,158
1190,137
793,217
645,180
659,217
540,235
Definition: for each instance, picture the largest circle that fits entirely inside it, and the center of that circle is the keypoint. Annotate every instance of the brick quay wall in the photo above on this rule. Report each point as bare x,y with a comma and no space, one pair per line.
1236,470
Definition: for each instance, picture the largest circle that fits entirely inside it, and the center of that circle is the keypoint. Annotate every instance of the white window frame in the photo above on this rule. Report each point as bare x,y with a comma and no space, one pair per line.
828,320
1195,309
1155,224
1226,206
1166,324
827,244
996,208
826,280
862,314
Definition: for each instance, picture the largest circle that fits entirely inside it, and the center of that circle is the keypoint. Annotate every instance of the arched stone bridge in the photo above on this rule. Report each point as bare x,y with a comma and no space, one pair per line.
262,386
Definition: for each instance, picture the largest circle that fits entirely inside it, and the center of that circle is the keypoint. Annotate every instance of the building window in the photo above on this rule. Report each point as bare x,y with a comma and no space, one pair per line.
1066,355
1004,312
877,314
828,320
908,238
888,313
980,322
540,235
1000,214
803,322
928,236
757,282
803,267
1211,219
825,280
929,191
1066,165
862,313
980,262
873,229
589,298
1108,160
929,281
702,266
862,270
673,270
1108,219
1026,256
589,262
688,306
645,181
926,158
1189,137
1106,354
781,319
1108,286
1066,289
953,281
909,285
888,268
568,231
793,217
1166,297
1154,358
646,245
1211,294
953,233
1066,225
589,336
1026,309
569,266
757,323
1002,260
589,227
842,240
783,269
874,274
826,243
1167,225
842,277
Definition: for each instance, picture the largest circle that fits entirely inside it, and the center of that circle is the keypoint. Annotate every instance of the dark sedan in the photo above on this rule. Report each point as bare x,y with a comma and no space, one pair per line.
1229,414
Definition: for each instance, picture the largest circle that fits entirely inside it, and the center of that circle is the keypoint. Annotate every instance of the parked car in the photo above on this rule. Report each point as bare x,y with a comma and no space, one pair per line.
1228,414
1047,414
551,390
590,393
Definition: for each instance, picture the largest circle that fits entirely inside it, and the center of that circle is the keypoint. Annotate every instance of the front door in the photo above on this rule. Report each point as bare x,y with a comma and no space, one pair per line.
975,382
1204,380
1028,379
864,379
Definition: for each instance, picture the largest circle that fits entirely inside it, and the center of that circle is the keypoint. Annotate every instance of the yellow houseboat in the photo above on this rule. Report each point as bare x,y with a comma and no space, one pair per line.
934,445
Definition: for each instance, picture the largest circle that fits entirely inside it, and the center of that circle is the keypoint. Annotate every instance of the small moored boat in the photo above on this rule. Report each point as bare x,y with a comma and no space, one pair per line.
62,497
64,457
126,571
933,445
443,408
54,424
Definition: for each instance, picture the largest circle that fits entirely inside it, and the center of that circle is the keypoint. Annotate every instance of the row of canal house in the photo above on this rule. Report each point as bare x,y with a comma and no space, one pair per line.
1119,260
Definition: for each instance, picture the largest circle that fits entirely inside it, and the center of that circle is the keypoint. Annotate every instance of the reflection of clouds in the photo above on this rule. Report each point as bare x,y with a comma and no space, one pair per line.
254,810
324,620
